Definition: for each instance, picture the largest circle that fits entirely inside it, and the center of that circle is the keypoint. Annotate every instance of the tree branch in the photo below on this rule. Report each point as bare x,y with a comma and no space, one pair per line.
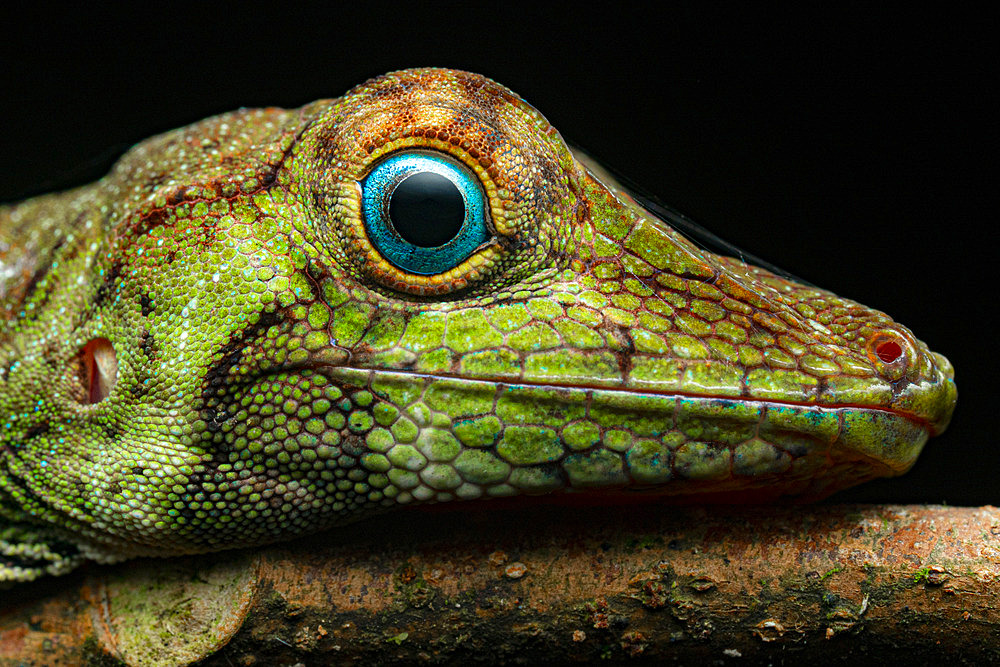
546,584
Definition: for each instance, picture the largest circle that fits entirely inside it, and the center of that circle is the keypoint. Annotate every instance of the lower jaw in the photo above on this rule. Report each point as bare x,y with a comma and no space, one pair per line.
667,445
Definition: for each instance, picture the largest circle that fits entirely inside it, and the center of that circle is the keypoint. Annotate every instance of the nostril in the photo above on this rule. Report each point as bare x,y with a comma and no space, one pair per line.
888,351
892,353
100,370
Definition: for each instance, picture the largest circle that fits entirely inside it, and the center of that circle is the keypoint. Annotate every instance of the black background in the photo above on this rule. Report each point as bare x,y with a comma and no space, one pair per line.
849,147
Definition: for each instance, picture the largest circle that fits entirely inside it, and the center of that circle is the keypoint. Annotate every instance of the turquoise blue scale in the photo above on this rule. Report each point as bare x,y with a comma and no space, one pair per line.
377,191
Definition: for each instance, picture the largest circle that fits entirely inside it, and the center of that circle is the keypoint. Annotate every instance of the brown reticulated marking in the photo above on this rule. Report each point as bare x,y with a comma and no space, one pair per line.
526,172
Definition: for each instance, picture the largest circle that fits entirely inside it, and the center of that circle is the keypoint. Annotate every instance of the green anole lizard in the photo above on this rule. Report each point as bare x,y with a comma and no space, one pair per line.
272,322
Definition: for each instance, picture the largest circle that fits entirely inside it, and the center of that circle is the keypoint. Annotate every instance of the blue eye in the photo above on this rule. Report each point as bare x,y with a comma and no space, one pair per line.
423,212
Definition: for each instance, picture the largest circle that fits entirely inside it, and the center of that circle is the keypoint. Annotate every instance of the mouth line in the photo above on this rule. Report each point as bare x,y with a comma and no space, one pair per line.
921,422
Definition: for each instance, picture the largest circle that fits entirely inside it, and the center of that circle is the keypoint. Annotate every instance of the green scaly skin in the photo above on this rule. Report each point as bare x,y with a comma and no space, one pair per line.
203,350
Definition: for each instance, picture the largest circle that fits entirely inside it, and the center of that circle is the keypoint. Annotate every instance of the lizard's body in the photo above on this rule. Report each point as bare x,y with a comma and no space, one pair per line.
217,345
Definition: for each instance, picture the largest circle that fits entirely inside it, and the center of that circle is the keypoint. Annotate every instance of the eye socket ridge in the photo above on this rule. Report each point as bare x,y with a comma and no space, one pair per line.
424,212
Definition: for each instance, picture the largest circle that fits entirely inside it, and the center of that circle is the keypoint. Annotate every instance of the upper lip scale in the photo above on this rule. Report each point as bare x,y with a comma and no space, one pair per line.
921,421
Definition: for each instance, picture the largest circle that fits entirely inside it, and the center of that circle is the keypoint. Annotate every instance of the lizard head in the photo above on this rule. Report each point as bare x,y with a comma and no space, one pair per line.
274,321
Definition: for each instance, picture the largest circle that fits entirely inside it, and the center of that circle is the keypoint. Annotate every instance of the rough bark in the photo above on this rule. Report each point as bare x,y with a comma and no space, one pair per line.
552,584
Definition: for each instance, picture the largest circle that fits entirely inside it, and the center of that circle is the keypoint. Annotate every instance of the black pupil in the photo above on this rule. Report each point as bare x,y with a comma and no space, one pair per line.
427,209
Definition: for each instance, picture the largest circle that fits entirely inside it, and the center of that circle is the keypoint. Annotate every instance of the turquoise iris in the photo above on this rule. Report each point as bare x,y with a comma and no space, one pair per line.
424,212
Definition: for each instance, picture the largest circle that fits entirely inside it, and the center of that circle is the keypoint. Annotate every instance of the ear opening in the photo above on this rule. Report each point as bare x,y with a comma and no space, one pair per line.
99,366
